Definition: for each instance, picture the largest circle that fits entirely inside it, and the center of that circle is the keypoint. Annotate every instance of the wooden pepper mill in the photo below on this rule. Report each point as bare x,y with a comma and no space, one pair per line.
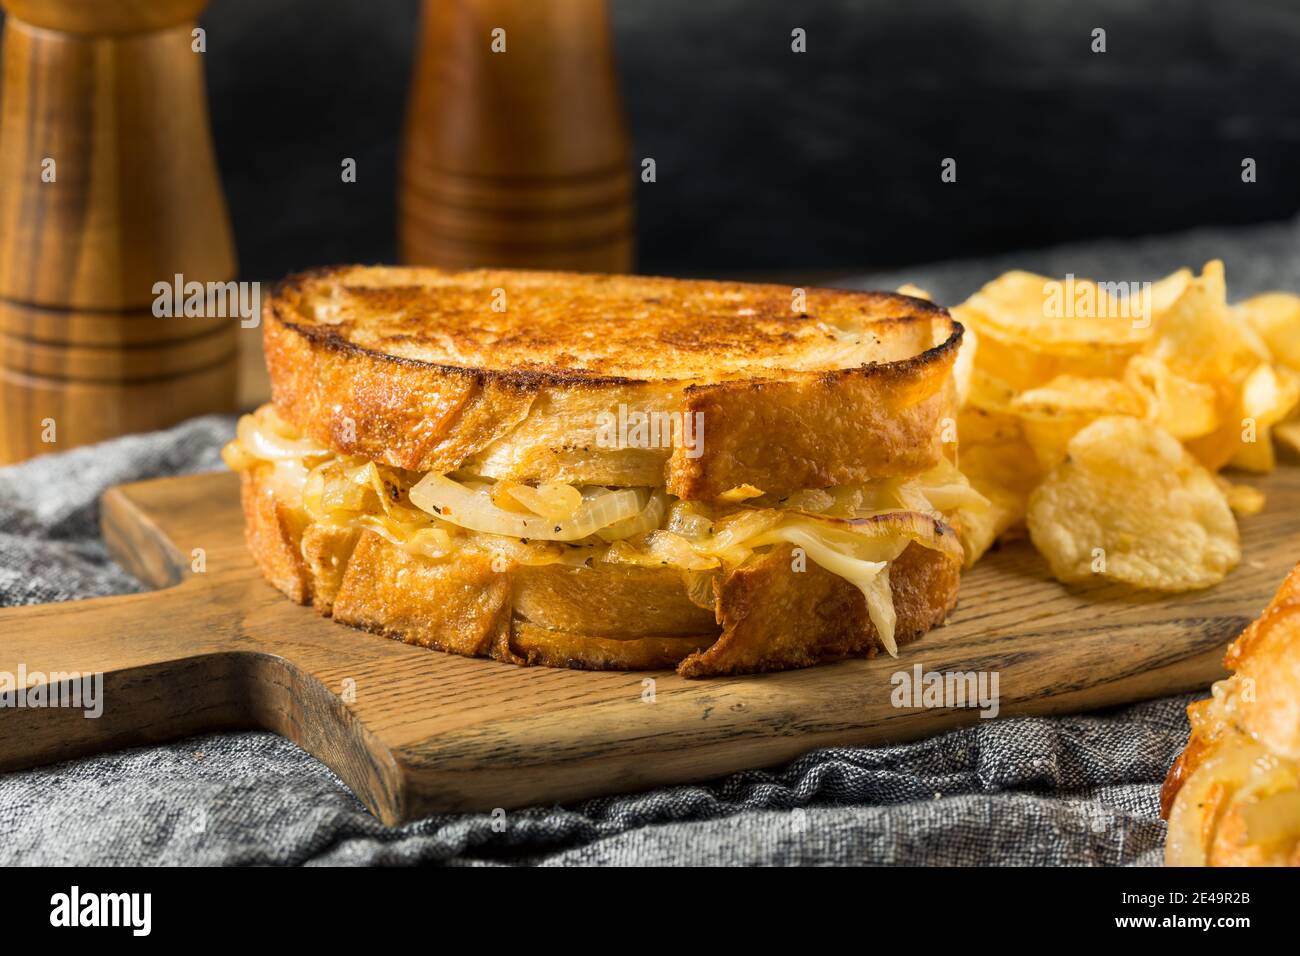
516,152
108,185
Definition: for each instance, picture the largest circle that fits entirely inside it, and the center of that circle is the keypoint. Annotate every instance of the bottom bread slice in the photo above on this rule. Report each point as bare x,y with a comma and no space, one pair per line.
765,615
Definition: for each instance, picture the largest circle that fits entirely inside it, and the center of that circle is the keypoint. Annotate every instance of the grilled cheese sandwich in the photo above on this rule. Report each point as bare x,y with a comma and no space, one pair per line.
415,428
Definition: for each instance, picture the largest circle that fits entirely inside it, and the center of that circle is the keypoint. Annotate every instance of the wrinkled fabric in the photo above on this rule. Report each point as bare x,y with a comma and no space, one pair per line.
1080,790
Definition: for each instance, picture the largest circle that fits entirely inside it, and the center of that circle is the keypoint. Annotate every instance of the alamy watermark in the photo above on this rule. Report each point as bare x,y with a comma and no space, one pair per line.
75,908
209,300
72,689
631,428
1101,300
946,689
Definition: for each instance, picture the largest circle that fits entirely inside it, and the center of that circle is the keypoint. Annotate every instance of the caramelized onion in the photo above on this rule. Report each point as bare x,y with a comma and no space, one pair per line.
470,506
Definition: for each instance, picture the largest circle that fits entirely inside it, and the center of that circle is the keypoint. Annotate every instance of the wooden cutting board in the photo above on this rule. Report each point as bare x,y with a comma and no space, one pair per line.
413,731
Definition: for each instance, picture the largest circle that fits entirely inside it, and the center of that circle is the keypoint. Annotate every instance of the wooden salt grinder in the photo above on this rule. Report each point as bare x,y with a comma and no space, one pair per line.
108,185
517,158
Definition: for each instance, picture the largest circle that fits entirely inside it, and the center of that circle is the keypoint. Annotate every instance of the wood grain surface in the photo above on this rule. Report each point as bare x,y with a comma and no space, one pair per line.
516,158
413,731
108,185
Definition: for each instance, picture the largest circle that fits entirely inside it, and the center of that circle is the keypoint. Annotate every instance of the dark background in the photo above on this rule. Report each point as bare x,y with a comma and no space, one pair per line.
768,160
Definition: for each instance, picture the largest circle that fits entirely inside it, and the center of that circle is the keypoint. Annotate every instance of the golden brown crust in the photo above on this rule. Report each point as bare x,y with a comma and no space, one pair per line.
574,649
1270,664
839,430
461,606
776,619
273,533
532,329
395,413
612,617
325,553
413,368
1186,762
1268,654
609,600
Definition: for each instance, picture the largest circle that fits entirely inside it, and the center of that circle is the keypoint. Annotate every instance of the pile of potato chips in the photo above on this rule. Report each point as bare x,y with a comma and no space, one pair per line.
1098,415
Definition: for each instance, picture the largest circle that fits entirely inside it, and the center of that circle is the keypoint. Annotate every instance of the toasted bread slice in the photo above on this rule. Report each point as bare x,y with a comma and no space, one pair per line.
507,374
765,616
1232,797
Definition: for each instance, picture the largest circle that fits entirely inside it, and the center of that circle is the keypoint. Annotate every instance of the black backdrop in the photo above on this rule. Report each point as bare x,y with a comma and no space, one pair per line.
772,160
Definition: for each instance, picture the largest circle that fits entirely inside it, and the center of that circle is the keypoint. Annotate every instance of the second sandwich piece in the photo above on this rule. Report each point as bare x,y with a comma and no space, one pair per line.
607,472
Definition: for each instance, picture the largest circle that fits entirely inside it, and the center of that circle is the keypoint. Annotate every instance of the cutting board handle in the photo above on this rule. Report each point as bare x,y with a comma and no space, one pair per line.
141,669
109,673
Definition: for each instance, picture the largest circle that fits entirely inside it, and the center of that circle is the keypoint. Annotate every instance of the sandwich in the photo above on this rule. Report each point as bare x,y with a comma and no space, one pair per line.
1232,798
607,472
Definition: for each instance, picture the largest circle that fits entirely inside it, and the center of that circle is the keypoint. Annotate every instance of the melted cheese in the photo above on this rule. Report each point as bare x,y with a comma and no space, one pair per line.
853,532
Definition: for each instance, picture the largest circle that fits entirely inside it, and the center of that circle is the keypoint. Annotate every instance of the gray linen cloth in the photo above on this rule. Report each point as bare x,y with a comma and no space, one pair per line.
1069,790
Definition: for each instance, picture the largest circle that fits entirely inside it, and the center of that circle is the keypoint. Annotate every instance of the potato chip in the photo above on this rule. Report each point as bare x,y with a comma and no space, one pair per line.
988,392
1069,317
1267,396
999,448
1069,396
1004,473
1198,338
999,465
1184,408
1276,317
1216,449
1130,504
975,426
978,530
1055,358
1024,364
1270,393
1242,499
1166,292
1049,439
1052,414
